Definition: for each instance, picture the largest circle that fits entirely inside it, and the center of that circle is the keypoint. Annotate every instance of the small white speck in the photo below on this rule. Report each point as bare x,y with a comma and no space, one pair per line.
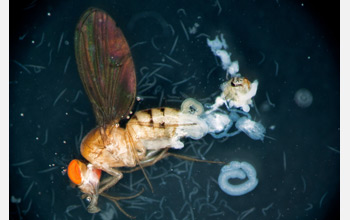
21,114
33,42
65,142
48,13
308,57
37,138
66,113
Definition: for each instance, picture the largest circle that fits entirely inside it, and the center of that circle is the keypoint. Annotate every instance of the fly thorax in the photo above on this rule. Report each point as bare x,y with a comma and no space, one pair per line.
112,143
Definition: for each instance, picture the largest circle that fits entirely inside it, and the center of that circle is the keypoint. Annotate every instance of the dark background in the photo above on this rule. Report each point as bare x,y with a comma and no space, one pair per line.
284,31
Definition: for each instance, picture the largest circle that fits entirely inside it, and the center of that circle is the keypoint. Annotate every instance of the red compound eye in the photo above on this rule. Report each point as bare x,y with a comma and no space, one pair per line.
74,171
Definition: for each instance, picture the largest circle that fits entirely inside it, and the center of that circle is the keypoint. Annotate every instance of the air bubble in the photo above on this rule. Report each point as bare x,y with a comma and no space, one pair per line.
303,98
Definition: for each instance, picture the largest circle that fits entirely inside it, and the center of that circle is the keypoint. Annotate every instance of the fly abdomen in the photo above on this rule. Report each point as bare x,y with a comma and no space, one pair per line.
154,123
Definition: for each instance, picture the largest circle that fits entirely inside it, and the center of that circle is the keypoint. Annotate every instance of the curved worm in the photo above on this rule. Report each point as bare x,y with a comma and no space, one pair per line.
240,170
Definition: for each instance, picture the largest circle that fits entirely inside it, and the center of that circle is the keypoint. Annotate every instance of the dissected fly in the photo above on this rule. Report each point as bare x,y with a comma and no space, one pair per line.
107,72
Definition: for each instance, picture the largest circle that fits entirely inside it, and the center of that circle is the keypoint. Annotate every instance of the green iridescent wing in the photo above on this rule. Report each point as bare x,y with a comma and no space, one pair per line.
105,66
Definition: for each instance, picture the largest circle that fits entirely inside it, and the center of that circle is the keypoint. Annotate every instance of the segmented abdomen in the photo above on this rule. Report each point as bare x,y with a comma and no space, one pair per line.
155,123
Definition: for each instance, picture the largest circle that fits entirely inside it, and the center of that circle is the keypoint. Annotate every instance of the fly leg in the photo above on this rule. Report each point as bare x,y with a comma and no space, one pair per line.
195,159
111,181
150,159
107,183
153,158
115,200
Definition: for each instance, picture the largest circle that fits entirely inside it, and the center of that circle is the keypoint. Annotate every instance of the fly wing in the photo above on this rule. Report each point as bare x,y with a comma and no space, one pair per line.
105,66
